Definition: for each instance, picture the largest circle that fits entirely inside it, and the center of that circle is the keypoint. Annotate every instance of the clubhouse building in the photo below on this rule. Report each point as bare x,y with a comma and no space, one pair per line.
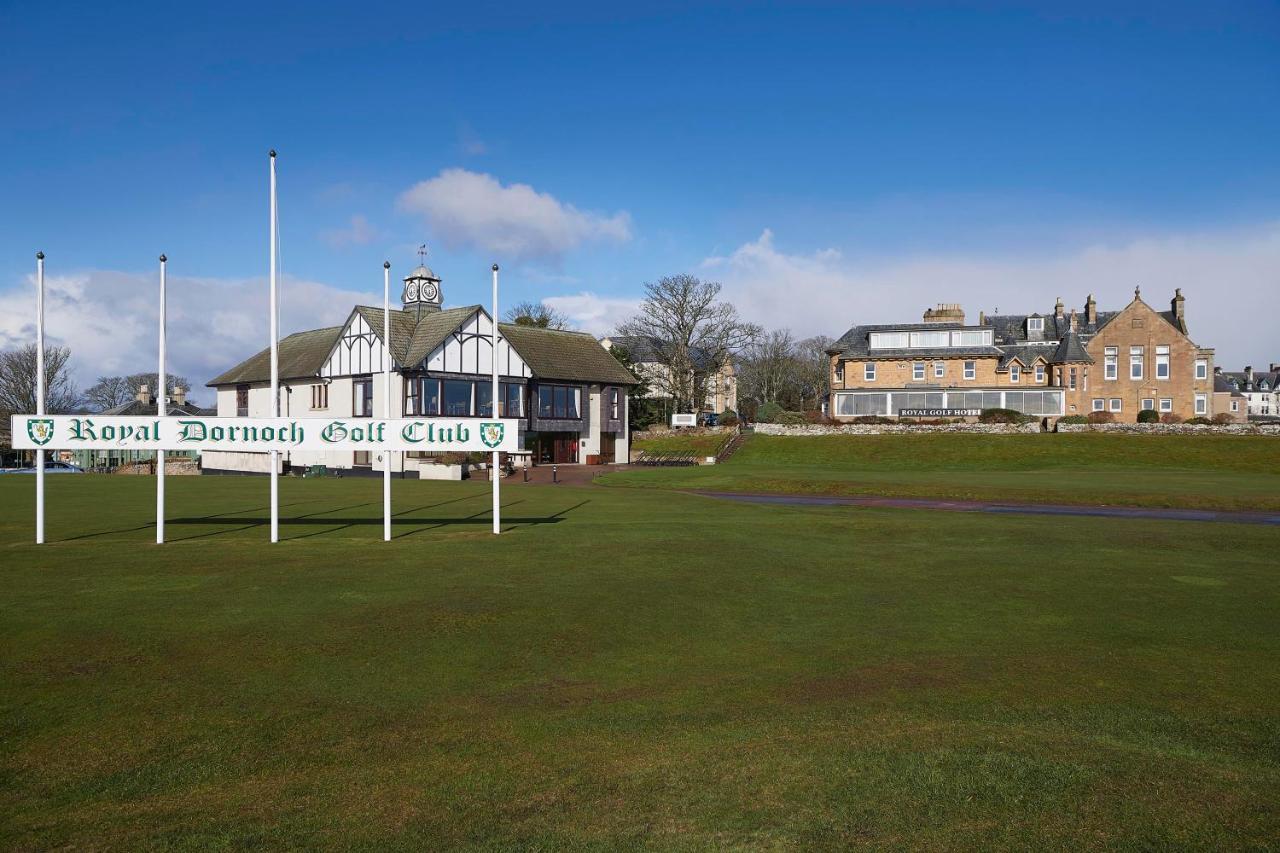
569,393
1045,365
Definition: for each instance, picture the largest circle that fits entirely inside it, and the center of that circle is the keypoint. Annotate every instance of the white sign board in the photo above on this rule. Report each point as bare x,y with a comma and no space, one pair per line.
93,432
684,420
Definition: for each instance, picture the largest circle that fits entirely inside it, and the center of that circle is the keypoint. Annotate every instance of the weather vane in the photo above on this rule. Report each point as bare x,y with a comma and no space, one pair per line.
422,255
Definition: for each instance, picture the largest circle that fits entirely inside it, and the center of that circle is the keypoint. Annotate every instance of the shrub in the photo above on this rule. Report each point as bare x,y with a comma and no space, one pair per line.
769,413
1073,419
872,419
1002,416
1198,421
1170,418
728,419
1223,418
1101,418
1148,416
816,417
792,418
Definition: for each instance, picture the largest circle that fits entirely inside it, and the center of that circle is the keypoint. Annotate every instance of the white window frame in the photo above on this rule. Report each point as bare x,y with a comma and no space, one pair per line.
1235,405
971,370
1035,324
1115,405
1039,373
1202,368
917,371
1015,373
1148,403
939,370
869,371
1202,404
1137,362
1099,404
320,396
1111,363
1162,361
1166,404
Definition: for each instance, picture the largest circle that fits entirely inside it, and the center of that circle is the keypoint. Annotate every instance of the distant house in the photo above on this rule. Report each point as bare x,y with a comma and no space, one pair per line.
1227,398
645,354
568,394
1261,389
144,404
1051,364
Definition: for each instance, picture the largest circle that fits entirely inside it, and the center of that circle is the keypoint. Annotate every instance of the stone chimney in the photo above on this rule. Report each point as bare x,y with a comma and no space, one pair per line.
945,312
1217,370
1075,322
1178,303
144,394
179,396
1248,377
1090,311
1057,308
1275,368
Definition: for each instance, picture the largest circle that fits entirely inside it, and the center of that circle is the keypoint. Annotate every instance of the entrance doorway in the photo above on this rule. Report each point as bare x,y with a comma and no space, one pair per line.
556,448
608,444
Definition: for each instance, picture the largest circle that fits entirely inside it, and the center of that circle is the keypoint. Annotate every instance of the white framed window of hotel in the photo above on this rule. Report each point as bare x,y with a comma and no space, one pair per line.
1015,372
1148,403
1111,363
1202,404
1035,324
1162,361
1166,404
1202,368
930,339
1071,379
1235,405
1039,374
839,372
1136,358
939,369
320,396
1099,404
869,371
1116,404
971,370
917,371
889,340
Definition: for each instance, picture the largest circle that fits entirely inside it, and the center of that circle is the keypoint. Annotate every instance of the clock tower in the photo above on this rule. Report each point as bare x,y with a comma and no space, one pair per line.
421,291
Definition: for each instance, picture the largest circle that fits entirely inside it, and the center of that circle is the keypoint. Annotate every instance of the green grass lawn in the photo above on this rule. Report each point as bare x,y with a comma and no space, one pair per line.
701,445
626,668
1194,471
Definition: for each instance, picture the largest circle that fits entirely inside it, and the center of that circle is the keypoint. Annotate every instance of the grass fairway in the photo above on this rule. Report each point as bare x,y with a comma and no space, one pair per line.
626,668
1191,471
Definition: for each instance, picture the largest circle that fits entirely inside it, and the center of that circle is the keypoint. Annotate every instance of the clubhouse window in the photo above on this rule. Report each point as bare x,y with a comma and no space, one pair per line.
1116,404
1015,373
1166,404
1111,363
971,370
557,401
320,396
1099,404
1039,374
1202,368
362,397
1202,404
457,397
869,371
1135,362
614,404
939,370
1162,361
1148,403
462,398
242,401
917,371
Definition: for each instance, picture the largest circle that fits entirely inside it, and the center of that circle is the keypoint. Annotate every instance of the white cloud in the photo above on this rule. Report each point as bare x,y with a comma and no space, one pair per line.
1229,278
599,315
108,318
515,222
357,232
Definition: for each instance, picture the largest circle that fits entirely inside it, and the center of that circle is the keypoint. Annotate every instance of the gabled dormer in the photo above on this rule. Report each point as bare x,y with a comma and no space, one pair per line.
1034,328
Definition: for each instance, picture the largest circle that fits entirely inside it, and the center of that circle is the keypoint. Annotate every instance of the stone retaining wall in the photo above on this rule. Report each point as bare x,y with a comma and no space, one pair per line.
894,429
667,432
1175,429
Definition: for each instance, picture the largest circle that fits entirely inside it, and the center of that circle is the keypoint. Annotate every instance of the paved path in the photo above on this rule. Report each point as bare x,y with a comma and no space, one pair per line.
1008,509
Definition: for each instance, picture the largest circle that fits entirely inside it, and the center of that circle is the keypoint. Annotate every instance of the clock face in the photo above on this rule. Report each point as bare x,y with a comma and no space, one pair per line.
429,292
411,292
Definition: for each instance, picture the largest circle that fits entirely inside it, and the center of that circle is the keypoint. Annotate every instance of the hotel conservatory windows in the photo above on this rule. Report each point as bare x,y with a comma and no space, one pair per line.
860,403
1111,363
558,401
1162,361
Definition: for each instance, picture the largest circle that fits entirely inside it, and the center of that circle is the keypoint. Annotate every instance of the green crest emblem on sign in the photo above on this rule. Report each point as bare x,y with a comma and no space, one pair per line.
40,430
491,434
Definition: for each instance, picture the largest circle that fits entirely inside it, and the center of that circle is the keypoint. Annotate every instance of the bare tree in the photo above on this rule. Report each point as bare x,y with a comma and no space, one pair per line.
18,381
694,333
536,314
768,371
813,370
108,392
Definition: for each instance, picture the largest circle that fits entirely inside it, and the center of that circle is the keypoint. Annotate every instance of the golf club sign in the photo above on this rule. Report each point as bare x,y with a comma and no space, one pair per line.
73,432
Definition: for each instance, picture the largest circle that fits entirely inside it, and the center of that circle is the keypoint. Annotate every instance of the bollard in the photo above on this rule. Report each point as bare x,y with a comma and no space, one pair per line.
526,470
555,475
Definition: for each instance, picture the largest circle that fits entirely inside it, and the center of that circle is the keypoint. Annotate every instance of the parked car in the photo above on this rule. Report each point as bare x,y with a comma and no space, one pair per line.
50,468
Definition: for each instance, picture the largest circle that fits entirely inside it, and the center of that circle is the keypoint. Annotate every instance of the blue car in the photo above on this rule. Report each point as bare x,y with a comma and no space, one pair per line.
50,468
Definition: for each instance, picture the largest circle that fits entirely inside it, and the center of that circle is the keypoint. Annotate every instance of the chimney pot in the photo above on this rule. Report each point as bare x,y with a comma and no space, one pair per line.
144,393
1057,308
179,395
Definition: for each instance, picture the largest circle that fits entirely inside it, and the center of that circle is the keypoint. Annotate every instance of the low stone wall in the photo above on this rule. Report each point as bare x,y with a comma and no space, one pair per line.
894,429
667,432
1175,429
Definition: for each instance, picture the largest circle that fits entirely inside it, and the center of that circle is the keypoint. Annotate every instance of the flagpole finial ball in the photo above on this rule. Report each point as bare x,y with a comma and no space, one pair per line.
39,256
163,259
272,152
495,267
386,265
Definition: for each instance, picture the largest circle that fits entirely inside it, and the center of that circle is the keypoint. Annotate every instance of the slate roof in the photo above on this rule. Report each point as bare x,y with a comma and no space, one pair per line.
1238,380
1070,349
1026,355
853,343
1222,384
137,407
647,349
301,354
572,356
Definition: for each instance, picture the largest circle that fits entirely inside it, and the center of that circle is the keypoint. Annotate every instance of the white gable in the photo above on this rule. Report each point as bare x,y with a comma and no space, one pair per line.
469,349
357,351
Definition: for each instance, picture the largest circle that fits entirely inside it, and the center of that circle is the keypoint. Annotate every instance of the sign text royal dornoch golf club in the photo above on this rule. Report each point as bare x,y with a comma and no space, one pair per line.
91,432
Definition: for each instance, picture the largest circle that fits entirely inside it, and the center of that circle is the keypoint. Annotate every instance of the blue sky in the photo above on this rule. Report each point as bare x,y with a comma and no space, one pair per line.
830,163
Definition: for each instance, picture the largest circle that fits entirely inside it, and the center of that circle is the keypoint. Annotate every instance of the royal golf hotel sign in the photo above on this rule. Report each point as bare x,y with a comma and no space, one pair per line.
67,432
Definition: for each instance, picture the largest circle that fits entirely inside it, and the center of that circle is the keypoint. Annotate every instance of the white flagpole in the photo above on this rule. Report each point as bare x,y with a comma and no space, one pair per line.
493,467
386,397
275,363
40,389
162,409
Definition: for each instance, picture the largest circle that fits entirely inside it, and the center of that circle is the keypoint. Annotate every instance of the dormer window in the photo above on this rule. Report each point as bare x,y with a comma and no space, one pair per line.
1035,324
